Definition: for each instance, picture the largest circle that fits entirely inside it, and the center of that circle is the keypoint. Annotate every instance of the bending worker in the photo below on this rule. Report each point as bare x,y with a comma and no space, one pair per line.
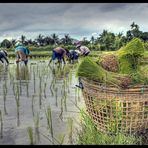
59,54
83,49
22,53
72,55
4,55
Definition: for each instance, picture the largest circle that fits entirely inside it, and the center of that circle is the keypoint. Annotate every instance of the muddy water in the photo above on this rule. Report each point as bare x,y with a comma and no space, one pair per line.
27,93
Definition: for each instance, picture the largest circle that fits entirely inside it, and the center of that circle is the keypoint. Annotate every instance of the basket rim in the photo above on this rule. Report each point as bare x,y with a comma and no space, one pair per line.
131,88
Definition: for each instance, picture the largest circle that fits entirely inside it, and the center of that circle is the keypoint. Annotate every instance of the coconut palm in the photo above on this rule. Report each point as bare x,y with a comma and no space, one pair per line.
40,40
23,39
55,39
66,40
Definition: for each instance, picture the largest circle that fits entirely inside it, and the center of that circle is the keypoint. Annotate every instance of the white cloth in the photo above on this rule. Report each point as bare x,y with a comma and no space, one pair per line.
84,49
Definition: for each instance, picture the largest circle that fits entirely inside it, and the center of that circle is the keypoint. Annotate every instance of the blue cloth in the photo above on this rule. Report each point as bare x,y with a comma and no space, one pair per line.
73,55
2,55
23,49
56,55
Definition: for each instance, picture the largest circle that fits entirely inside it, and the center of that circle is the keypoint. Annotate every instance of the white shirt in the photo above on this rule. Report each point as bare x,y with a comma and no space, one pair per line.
84,49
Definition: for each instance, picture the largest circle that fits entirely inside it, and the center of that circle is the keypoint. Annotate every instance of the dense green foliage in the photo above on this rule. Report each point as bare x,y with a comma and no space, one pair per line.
91,136
89,69
105,41
130,55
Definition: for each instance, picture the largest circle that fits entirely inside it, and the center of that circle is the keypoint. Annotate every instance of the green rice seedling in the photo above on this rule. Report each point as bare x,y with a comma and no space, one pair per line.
40,91
70,128
89,135
64,101
17,99
53,84
56,96
61,113
1,121
76,89
13,88
36,122
20,87
34,80
48,114
51,88
45,84
27,89
30,134
33,100
130,55
56,141
4,98
78,94
61,139
90,70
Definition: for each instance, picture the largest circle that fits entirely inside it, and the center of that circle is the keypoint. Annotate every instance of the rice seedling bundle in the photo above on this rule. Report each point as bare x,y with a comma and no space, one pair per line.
109,62
92,71
130,55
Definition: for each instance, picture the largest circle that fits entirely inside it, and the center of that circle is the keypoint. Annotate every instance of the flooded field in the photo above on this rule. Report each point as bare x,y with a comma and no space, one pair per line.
39,104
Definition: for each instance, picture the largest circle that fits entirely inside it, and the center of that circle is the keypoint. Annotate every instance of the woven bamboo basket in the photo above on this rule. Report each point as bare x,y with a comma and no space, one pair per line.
114,109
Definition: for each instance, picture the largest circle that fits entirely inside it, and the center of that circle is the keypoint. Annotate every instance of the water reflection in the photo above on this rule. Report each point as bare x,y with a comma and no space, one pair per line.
22,72
3,72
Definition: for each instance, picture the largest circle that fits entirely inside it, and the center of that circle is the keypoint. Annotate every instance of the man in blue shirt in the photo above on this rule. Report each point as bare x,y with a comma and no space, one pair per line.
73,55
22,53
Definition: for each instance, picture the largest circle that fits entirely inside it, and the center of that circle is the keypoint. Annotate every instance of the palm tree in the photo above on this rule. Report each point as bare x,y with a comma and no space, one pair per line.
92,40
40,39
55,39
23,39
13,41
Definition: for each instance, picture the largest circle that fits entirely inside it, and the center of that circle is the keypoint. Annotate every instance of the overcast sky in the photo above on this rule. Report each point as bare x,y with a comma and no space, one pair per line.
76,19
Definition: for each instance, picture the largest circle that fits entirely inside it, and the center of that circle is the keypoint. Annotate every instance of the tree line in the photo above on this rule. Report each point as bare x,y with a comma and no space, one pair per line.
105,41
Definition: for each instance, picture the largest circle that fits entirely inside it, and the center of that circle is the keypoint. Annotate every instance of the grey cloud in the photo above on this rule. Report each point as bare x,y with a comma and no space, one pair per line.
80,19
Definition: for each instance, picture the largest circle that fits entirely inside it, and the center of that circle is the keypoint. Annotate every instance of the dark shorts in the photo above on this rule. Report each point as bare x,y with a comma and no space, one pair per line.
86,53
56,55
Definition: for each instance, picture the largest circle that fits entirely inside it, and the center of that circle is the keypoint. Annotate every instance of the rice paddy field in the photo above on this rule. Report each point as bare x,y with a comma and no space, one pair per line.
39,104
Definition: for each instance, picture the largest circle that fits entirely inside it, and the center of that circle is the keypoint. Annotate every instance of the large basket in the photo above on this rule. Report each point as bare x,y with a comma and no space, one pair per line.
114,109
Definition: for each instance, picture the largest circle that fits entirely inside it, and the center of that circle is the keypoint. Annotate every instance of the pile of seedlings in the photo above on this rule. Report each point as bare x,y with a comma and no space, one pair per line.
121,68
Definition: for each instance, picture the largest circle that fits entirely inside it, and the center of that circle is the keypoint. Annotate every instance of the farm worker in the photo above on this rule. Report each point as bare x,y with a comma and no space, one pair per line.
58,53
72,55
4,55
83,49
22,53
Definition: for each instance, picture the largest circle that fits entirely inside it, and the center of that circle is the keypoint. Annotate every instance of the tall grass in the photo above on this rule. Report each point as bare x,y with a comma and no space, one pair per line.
48,114
56,96
20,87
61,113
17,99
89,135
30,134
33,100
27,89
1,121
4,97
34,80
40,91
70,128
45,85
61,139
37,122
